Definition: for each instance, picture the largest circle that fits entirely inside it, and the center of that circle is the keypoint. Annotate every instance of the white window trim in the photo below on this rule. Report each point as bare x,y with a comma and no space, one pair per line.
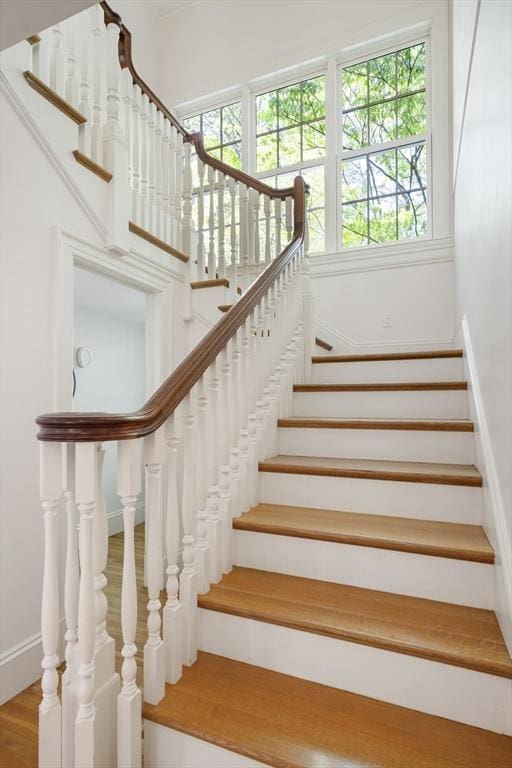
436,136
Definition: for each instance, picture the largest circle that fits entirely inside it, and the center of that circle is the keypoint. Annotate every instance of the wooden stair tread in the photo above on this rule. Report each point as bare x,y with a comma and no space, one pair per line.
424,425
221,282
399,386
323,344
431,355
372,469
287,722
426,537
145,235
452,634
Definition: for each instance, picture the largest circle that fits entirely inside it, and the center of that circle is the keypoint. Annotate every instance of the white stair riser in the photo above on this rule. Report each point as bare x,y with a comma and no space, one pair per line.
429,404
424,501
392,444
445,369
166,748
470,697
405,573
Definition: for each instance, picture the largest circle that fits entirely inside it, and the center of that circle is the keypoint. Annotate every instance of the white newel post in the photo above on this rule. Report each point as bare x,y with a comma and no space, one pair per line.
173,614
154,655
50,708
116,152
86,468
71,586
188,577
129,703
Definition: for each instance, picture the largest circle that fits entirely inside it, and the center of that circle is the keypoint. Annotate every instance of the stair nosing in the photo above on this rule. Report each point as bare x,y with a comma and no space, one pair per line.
389,356
399,386
420,425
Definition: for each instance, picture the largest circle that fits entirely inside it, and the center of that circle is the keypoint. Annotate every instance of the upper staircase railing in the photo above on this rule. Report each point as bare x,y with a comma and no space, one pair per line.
203,431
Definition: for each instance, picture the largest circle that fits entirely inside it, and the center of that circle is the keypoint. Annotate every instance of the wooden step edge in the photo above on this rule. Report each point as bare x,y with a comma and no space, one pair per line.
383,424
92,166
221,281
401,476
362,540
145,235
323,344
387,356
423,386
33,39
50,95
361,637
224,307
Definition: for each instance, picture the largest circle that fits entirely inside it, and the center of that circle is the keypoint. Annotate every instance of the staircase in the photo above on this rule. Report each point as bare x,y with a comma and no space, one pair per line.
328,596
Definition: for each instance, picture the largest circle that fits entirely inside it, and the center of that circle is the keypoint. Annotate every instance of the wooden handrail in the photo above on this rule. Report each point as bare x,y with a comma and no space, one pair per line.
126,62
97,427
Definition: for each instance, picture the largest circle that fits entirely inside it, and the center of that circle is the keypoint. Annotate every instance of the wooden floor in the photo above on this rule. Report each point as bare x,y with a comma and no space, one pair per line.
287,722
18,717
453,634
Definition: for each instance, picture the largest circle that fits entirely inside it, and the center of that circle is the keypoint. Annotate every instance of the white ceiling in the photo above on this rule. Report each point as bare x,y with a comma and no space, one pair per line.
165,8
100,294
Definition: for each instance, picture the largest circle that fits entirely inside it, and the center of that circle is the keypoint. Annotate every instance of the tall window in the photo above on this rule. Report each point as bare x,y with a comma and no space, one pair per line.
291,139
222,132
384,170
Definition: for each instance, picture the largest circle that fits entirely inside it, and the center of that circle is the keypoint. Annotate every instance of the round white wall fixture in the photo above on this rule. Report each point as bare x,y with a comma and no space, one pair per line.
84,357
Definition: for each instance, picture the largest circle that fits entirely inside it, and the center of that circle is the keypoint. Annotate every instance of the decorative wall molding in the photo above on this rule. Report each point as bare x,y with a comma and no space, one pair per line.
35,131
493,500
336,337
386,256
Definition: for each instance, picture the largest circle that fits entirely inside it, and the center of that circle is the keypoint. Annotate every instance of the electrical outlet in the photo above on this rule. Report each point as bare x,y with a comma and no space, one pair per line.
387,321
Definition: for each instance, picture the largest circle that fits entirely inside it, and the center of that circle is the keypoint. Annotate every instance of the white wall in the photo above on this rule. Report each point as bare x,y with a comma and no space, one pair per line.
483,243
147,39
109,319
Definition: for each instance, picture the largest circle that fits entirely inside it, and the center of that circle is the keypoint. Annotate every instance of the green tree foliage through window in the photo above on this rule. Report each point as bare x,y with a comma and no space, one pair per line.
222,132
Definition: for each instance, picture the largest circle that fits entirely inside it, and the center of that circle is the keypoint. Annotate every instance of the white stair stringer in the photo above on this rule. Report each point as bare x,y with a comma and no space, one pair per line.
457,693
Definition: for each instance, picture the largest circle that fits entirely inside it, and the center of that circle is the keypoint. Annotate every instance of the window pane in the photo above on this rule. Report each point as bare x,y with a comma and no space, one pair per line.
285,180
411,68
355,129
354,86
289,105
382,77
266,112
232,123
412,215
313,99
354,179
211,128
411,169
233,155
289,147
382,173
316,223
192,124
315,178
355,224
383,122
313,140
412,115
382,219
266,152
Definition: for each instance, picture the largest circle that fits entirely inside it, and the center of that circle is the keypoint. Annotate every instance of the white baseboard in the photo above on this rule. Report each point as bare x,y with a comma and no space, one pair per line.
342,342
20,665
494,514
115,518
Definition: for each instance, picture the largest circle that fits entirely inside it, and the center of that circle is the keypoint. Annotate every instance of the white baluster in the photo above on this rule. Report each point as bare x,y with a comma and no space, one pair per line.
211,224
200,220
98,74
250,232
173,614
289,219
71,585
71,89
129,742
152,168
100,553
212,464
252,459
127,93
234,459
41,57
165,228
278,224
225,477
57,61
50,708
243,404
173,231
233,186
154,652
266,209
244,235
221,259
188,578
256,197
136,198
202,547
178,157
308,314
144,181
84,133
86,489
158,174
186,227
